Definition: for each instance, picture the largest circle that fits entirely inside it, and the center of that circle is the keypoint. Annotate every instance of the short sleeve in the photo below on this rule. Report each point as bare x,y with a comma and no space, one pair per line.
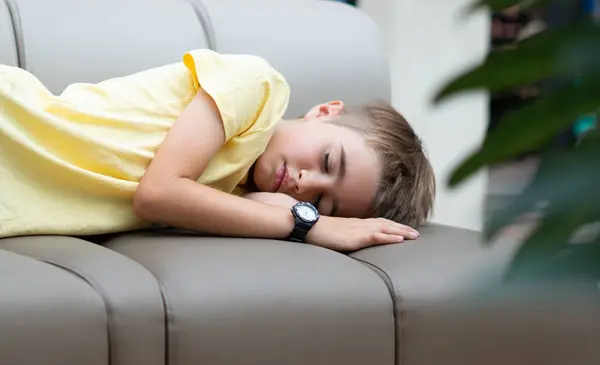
251,95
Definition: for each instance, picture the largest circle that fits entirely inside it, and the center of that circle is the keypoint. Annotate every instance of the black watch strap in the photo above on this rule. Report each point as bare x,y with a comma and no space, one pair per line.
300,231
305,217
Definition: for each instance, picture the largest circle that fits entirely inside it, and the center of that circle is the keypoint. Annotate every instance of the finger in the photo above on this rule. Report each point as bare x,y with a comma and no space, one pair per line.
399,225
380,238
399,230
409,228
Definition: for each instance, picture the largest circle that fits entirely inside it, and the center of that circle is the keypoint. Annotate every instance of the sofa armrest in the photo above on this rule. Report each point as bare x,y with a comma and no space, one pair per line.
453,305
445,262
130,294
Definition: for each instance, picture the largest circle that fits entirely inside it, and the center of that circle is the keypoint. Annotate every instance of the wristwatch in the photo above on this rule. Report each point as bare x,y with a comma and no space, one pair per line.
305,217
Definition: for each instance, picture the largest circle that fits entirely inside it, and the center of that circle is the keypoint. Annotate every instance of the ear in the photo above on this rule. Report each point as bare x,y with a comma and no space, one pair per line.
329,109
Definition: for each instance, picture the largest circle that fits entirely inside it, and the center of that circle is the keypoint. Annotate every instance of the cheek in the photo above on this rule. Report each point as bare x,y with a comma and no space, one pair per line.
260,173
297,147
305,156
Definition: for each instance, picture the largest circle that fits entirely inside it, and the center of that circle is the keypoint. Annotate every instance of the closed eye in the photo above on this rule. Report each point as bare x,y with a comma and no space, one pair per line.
326,162
326,170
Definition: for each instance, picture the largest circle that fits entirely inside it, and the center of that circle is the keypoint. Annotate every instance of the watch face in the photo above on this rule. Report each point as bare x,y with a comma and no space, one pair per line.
307,213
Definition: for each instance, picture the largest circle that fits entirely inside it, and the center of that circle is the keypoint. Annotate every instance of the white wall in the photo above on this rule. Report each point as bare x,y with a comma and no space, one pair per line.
428,42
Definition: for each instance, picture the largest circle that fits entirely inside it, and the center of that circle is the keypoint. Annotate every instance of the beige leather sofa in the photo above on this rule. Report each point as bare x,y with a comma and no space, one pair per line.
155,298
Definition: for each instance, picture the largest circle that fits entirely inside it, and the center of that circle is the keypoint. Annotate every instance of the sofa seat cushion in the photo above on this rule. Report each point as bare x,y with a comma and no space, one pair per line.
58,276
454,306
431,279
48,315
444,262
247,301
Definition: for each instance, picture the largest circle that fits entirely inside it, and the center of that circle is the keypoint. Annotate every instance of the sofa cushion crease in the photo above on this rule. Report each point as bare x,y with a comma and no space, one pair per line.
8,38
273,301
48,315
135,318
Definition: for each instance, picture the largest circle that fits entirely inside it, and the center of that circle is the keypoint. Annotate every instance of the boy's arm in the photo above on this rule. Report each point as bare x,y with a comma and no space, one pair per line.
277,199
169,194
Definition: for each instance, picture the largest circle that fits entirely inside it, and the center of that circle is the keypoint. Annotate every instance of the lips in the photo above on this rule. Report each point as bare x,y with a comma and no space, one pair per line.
280,177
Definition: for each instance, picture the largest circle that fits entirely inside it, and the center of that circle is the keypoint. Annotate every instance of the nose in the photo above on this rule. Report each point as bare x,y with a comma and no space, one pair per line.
309,184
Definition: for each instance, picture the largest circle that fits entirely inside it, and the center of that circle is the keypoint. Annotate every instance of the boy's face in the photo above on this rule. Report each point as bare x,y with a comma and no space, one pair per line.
322,163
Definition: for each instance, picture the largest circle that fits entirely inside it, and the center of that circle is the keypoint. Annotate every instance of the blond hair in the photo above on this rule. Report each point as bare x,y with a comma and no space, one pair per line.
407,189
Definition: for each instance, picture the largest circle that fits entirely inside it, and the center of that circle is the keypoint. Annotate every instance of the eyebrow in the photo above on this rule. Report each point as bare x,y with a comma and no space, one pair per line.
340,176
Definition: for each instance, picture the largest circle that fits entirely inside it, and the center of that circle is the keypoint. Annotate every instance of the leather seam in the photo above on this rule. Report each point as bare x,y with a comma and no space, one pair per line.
107,307
398,311
15,18
205,22
167,316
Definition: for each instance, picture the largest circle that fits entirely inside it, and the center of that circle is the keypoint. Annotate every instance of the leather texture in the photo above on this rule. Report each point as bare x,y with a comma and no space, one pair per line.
244,301
48,315
128,295
453,305
66,41
440,264
170,298
8,47
550,322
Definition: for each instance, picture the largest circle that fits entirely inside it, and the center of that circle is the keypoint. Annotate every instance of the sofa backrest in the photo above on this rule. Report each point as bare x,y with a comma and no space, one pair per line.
66,41
326,50
8,48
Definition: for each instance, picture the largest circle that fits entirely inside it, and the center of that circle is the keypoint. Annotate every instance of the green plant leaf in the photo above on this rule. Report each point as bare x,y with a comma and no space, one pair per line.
563,260
567,184
498,5
570,261
528,201
530,127
564,52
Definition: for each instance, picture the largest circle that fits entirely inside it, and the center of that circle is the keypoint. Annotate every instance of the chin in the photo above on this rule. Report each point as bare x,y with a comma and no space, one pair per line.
258,179
257,182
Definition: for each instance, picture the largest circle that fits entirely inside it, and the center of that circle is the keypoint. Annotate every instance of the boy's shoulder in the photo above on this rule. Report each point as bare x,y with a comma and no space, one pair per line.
240,61
251,95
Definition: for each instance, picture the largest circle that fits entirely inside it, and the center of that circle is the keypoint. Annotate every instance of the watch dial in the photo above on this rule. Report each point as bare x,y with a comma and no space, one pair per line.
307,214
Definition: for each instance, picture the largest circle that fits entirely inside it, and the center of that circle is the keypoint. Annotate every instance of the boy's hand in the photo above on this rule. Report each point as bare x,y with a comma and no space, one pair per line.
344,234
277,199
351,234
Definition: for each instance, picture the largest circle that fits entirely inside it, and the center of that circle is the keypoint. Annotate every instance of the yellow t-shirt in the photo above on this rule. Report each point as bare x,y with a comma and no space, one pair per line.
70,164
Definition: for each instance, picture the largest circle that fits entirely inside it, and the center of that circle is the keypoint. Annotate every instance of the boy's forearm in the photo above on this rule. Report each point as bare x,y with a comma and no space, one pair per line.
188,205
277,199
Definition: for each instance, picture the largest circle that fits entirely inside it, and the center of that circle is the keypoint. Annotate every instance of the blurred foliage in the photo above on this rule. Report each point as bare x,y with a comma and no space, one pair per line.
564,194
499,5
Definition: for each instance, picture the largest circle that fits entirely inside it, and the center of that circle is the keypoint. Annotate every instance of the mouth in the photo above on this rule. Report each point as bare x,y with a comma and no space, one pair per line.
280,177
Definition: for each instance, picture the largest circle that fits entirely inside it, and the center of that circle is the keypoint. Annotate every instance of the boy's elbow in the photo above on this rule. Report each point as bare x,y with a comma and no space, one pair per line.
147,200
